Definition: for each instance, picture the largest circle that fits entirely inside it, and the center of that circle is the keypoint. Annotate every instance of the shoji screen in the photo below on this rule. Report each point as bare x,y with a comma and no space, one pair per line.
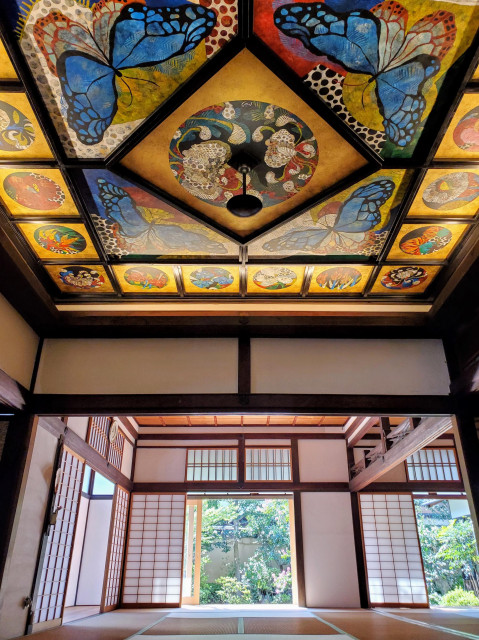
111,586
50,590
393,556
154,561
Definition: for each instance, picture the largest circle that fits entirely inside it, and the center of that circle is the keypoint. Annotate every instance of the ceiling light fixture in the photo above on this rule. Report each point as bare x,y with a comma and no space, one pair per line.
244,205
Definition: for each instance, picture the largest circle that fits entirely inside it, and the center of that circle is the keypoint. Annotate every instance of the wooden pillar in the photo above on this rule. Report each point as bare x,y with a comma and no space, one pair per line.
385,425
17,451
359,549
469,441
298,532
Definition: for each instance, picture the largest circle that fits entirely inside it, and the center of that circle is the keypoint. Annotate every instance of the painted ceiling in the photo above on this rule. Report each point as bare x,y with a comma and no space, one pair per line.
120,121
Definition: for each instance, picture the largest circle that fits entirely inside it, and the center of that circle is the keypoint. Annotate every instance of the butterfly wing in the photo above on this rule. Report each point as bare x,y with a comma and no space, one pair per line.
175,238
400,97
308,240
361,211
145,36
349,39
120,208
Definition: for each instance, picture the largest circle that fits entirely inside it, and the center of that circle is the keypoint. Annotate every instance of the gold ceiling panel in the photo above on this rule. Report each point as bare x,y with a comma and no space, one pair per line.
146,278
80,279
448,193
211,279
426,241
404,280
59,241
339,278
275,279
461,140
21,137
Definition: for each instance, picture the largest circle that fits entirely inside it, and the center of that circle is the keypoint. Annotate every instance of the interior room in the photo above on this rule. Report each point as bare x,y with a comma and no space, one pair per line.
239,353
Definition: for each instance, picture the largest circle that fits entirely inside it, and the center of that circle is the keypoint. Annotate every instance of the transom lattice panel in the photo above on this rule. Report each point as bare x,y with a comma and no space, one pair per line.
54,572
115,451
433,464
212,465
117,547
268,464
98,434
154,560
393,555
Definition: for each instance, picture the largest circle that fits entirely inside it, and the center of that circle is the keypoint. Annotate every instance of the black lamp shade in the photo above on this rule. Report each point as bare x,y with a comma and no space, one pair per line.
244,205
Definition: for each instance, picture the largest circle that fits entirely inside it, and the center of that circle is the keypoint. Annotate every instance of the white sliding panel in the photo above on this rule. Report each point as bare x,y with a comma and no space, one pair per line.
393,555
154,557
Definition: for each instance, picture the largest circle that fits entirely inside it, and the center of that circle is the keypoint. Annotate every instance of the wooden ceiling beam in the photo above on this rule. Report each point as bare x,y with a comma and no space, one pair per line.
427,431
359,428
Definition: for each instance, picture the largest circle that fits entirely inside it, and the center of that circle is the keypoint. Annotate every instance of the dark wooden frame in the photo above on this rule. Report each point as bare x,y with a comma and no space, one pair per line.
449,448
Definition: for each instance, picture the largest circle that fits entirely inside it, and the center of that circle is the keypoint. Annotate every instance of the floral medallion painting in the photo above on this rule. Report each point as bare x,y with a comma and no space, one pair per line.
58,241
130,221
426,241
355,222
276,279
210,279
380,66
409,279
461,139
103,67
339,279
146,278
447,192
80,279
21,137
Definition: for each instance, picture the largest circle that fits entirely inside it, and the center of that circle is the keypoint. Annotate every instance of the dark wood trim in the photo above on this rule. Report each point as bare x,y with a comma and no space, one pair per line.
244,365
468,435
298,530
241,461
235,436
12,394
185,487
410,487
103,608
359,549
36,365
295,475
15,458
58,428
126,424
293,404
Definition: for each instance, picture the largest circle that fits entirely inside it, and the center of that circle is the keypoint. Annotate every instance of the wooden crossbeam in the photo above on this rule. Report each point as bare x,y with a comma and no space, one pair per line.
359,428
427,431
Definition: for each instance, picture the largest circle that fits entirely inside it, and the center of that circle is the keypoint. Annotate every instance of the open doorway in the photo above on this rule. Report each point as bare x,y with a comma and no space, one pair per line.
240,550
449,550
88,560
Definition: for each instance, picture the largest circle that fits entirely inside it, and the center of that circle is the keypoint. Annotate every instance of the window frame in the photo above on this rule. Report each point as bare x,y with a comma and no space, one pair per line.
269,447
436,465
233,465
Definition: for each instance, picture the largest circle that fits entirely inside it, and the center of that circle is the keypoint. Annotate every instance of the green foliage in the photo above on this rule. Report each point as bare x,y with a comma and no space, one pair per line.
459,598
232,591
266,576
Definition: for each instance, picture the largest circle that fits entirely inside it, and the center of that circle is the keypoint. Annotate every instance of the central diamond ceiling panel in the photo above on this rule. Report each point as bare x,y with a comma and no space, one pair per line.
244,106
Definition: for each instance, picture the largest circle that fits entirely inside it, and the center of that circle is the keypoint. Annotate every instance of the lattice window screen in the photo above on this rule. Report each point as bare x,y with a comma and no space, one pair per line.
52,585
211,465
393,555
115,451
117,546
433,464
154,558
271,465
98,434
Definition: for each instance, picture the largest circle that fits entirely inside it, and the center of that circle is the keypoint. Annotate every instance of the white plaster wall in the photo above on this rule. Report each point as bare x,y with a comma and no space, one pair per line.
92,571
329,556
323,461
18,344
131,366
127,460
160,465
384,367
78,424
75,561
20,568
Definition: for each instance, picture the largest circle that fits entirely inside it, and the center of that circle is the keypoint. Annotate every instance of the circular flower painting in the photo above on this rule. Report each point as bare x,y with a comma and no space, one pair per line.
466,133
283,144
274,278
211,278
425,240
59,239
81,277
452,191
34,191
146,277
338,278
404,278
16,130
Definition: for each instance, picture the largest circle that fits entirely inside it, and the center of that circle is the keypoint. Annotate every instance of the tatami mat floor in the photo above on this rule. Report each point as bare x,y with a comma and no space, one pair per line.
259,623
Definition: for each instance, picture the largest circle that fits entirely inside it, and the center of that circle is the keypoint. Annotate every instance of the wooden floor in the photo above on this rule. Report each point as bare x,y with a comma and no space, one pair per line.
257,623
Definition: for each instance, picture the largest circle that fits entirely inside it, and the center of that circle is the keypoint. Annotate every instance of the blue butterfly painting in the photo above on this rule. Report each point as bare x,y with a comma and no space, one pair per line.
140,226
342,228
125,34
376,43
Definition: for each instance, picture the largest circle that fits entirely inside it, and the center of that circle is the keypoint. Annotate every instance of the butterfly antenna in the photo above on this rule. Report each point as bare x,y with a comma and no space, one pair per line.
143,80
122,78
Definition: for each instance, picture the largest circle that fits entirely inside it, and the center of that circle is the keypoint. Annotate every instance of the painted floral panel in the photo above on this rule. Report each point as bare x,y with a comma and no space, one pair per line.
35,192
447,192
275,279
426,241
103,67
461,140
21,137
406,279
59,241
80,279
379,66
146,278
210,279
339,278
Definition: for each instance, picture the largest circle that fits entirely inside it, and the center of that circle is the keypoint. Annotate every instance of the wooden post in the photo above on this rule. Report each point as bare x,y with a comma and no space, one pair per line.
298,530
385,425
358,546
469,449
